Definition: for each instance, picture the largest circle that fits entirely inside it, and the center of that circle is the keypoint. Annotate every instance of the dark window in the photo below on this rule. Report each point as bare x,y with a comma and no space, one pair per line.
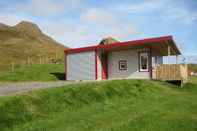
122,65
144,61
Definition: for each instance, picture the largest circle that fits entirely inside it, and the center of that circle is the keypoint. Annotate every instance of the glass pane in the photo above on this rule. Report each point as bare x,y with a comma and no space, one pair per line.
122,65
144,61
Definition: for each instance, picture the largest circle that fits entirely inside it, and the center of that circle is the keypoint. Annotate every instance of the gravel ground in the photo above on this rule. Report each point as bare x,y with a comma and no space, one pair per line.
15,88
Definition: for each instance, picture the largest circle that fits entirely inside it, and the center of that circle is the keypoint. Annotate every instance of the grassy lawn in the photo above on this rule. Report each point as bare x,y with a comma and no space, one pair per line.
119,105
45,72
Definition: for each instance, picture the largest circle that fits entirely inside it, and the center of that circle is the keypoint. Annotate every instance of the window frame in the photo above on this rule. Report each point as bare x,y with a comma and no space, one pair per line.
121,62
139,59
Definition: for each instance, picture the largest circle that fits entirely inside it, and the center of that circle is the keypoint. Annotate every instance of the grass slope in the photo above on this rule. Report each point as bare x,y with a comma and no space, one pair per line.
44,72
119,105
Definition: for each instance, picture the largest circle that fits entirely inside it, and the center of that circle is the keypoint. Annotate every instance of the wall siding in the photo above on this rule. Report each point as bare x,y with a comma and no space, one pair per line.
81,66
131,56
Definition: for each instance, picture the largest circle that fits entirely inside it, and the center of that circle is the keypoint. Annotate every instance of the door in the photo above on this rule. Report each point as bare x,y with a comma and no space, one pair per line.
144,60
81,66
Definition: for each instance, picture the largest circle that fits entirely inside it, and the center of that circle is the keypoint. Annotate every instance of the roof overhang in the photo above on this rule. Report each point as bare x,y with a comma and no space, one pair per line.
159,44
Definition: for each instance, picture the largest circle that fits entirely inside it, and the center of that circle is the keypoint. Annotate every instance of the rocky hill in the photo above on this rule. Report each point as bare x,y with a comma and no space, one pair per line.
26,41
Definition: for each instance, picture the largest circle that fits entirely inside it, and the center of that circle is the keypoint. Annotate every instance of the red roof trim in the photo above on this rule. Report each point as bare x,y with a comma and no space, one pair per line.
117,44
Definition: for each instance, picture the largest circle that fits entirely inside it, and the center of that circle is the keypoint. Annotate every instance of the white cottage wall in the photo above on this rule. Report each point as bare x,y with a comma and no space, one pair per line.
131,56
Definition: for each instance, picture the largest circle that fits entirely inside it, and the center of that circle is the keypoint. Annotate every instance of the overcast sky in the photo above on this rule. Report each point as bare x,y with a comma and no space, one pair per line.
77,23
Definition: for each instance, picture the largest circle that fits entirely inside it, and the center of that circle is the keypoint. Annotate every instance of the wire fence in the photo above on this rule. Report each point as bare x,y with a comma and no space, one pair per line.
12,66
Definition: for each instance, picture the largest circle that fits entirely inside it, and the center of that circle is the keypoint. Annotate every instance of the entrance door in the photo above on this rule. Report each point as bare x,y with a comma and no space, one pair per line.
143,63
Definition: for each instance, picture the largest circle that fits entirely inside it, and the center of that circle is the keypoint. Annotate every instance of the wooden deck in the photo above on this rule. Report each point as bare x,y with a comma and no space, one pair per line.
172,72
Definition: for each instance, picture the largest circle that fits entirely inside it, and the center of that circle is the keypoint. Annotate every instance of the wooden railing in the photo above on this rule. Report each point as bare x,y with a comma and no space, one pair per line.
170,72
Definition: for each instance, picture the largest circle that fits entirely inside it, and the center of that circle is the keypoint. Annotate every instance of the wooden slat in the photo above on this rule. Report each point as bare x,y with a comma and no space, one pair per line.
171,72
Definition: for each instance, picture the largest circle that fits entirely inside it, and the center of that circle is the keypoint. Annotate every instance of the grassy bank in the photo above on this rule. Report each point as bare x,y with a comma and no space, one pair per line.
121,105
44,72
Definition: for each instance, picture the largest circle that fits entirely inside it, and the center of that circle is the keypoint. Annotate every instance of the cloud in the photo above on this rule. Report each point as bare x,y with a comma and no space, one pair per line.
12,19
141,7
8,19
180,15
104,23
79,23
190,58
67,32
94,25
99,16
42,7
167,10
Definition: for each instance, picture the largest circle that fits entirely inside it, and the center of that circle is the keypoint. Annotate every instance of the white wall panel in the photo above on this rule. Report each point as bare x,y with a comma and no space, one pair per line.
81,66
131,56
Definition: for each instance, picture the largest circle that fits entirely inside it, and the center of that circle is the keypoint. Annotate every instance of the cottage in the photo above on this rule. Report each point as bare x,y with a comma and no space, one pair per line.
138,59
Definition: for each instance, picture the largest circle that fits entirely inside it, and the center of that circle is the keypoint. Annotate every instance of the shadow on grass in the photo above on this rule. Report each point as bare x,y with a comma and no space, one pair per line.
175,82
59,76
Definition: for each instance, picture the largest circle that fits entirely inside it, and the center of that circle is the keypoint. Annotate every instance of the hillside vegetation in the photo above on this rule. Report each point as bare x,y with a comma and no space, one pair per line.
118,105
36,72
26,41
193,67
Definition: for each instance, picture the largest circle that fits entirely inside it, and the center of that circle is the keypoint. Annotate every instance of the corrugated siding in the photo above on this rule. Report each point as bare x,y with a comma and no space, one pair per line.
81,66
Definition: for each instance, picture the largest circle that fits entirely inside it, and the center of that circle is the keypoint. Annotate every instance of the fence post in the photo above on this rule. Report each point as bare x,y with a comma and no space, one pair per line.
28,61
12,66
40,60
46,60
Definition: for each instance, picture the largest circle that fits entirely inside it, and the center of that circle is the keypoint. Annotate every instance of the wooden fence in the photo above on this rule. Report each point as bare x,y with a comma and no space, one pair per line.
170,72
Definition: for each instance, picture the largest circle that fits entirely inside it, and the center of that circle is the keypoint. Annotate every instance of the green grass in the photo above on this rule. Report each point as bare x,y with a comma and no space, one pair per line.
45,72
118,105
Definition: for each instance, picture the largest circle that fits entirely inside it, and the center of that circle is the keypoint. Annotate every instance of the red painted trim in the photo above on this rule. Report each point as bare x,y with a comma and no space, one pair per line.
104,67
124,44
96,64
82,49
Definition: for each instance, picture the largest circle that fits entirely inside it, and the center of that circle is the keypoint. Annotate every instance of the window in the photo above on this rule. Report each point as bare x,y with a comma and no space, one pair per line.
122,65
143,61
